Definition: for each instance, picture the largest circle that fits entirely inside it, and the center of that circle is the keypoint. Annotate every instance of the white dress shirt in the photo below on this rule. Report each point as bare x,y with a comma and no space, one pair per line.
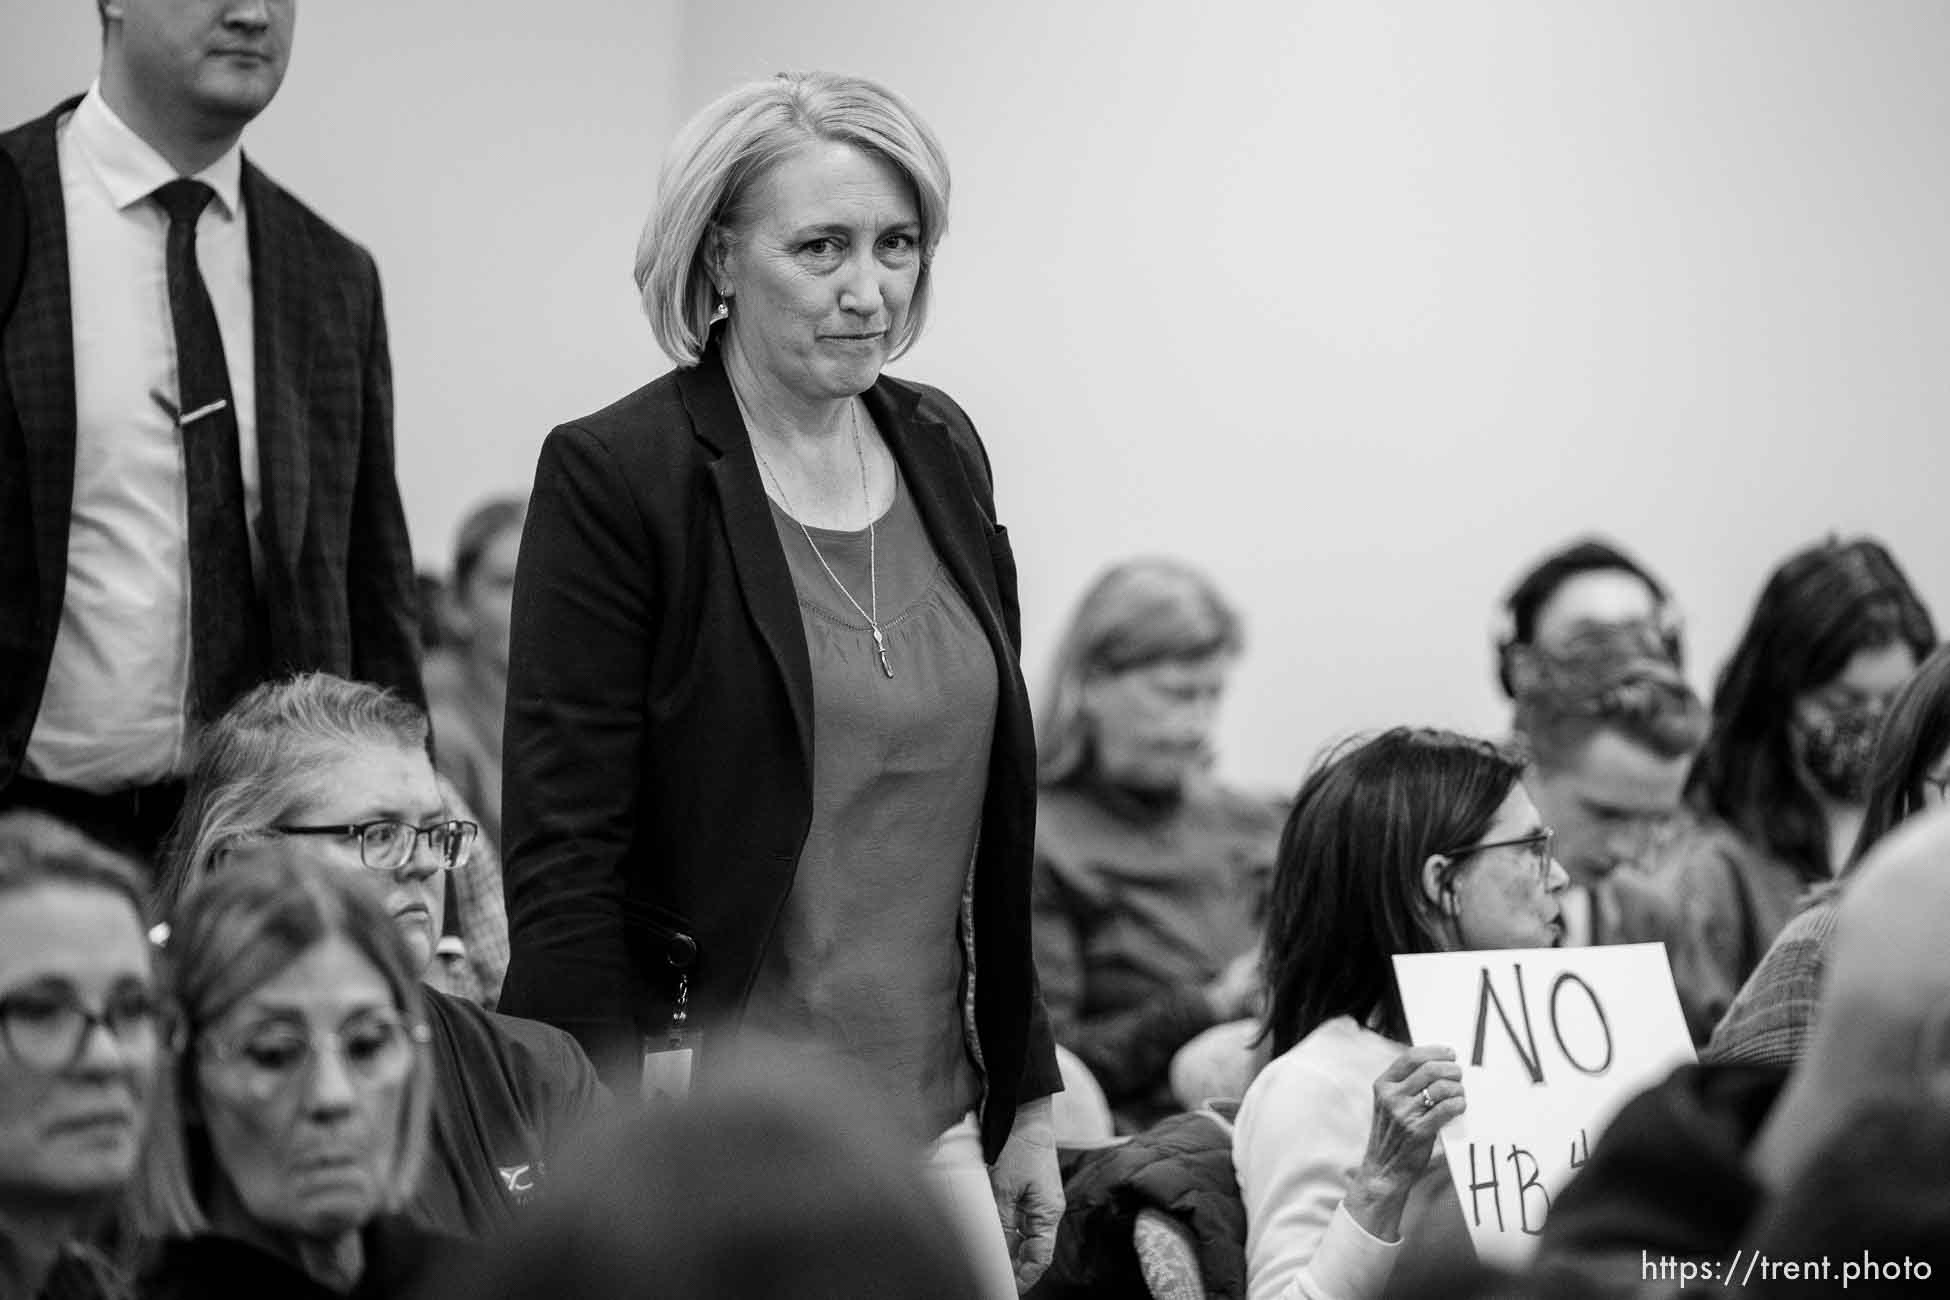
115,709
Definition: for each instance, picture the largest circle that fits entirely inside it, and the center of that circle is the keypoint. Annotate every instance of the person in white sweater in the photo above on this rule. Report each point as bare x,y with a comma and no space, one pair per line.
1413,841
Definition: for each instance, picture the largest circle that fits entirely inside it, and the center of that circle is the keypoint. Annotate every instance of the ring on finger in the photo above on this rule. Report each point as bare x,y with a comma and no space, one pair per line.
1428,1102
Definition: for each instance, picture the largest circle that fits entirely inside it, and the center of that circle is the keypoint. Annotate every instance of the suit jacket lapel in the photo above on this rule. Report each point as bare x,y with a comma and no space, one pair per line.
283,298
40,348
763,573
926,454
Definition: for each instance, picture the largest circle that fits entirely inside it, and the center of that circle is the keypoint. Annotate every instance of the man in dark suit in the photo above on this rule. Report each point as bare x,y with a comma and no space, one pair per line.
196,459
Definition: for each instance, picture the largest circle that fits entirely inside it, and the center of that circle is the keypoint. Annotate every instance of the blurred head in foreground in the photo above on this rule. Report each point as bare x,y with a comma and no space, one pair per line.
1883,1026
751,1189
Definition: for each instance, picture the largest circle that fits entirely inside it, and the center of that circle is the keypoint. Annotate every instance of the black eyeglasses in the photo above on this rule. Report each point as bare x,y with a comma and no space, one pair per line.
1538,842
387,844
47,1030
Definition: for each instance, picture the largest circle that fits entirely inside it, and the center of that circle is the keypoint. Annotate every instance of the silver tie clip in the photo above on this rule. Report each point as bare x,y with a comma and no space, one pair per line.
201,411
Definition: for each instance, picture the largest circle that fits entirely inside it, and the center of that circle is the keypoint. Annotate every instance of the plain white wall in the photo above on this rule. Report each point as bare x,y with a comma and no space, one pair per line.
1360,305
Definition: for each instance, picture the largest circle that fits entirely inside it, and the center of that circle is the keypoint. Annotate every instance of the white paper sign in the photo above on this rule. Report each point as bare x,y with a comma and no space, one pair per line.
1552,1041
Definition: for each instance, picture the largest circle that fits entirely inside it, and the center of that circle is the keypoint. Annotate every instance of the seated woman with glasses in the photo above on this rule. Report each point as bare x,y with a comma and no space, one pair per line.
1414,841
291,1130
335,775
79,1045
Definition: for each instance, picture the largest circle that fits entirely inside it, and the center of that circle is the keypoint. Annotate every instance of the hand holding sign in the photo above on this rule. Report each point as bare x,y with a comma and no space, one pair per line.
1419,1092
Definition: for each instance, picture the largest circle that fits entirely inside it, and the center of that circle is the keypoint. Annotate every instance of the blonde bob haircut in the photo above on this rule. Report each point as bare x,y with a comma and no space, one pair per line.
720,155
1141,612
232,934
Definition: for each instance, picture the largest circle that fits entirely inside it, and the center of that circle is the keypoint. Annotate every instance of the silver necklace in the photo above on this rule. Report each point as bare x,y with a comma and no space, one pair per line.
873,566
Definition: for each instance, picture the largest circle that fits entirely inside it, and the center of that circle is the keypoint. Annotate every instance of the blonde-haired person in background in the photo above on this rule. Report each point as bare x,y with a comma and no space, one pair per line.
1151,878
769,755
292,1128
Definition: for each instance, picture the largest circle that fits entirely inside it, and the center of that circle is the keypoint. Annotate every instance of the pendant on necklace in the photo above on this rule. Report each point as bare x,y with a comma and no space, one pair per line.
880,647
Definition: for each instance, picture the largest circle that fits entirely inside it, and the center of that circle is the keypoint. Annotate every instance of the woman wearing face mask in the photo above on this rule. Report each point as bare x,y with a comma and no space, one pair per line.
335,775
1781,785
1151,878
1768,1022
291,1131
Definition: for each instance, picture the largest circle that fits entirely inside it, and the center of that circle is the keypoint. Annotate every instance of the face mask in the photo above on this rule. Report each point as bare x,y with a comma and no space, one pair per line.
1836,748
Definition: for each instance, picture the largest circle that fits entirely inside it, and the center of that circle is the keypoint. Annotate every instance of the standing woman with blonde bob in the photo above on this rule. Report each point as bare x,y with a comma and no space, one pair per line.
769,763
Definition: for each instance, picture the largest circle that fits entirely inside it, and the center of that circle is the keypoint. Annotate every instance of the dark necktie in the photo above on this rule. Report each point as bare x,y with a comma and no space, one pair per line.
227,637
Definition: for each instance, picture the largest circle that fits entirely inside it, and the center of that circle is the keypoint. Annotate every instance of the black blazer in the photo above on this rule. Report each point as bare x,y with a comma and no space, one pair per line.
338,581
658,756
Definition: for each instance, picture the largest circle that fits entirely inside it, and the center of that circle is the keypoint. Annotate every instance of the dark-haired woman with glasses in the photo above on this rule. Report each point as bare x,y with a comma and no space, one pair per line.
1414,841
292,1128
80,1038
334,776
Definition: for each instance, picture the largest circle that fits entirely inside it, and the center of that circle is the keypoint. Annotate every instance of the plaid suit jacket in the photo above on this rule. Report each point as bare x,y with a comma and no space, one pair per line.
338,580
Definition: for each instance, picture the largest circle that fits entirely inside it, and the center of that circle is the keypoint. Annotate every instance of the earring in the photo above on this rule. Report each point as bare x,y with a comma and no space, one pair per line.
723,310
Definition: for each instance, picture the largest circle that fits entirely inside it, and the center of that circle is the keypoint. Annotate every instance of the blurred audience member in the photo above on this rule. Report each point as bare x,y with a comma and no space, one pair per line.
1782,781
1687,1168
1609,727
467,694
334,776
757,1189
1219,1064
291,1130
1151,878
1875,1198
1588,581
198,489
80,1039
1414,841
467,683
433,614
1910,771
